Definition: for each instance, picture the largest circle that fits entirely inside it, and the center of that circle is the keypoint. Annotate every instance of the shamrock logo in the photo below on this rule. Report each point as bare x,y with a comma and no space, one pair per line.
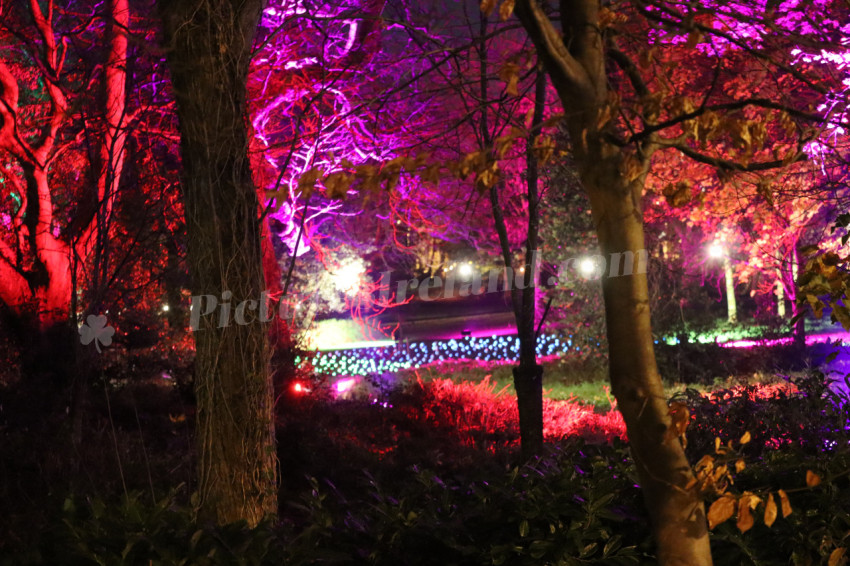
96,330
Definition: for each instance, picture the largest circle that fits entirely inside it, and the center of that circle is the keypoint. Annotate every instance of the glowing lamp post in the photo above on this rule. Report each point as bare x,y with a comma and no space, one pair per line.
717,251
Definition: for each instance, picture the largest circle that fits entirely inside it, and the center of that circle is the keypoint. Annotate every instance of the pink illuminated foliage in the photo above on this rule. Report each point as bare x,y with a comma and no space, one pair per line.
88,212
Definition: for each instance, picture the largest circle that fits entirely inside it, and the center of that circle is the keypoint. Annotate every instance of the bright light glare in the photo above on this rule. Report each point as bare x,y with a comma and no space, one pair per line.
716,251
165,308
347,278
465,270
344,385
298,388
587,267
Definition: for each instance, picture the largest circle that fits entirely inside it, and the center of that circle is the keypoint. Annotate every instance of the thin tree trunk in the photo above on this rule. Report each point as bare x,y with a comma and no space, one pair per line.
208,46
574,58
528,375
677,514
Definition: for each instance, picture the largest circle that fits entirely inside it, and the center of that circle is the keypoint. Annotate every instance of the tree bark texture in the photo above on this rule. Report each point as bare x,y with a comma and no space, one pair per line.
208,45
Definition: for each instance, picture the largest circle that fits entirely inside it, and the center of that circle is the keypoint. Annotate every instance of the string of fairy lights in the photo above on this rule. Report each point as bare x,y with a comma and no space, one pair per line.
400,356
365,361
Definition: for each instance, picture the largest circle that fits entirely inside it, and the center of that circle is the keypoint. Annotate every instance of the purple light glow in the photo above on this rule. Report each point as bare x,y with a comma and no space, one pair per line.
344,385
818,339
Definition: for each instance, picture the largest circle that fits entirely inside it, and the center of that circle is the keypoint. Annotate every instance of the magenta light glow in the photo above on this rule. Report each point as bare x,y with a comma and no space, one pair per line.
344,385
818,339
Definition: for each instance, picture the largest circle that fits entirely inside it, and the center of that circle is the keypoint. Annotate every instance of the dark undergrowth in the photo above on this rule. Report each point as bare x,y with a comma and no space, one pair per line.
425,475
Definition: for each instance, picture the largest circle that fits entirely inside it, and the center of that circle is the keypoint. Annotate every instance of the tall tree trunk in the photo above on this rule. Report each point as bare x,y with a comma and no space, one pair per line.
575,61
528,374
798,314
208,46
677,513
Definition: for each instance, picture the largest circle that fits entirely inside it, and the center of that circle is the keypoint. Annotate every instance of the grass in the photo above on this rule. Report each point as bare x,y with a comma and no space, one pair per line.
563,379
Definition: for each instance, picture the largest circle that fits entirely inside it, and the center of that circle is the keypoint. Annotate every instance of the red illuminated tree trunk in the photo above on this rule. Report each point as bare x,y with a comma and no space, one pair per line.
36,282
208,46
575,61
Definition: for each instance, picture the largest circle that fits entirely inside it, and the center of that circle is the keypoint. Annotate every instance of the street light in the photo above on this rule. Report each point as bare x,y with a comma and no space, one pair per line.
587,267
716,250
465,270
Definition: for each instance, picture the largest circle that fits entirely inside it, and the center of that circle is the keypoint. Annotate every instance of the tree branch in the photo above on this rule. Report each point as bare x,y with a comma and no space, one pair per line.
569,77
736,105
728,165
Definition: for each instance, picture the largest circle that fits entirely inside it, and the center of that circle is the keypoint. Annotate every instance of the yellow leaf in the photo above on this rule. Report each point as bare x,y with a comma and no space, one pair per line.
786,504
504,143
746,438
338,184
510,74
719,473
745,517
836,558
812,479
487,7
721,510
307,181
717,445
770,511
506,9
544,148
740,465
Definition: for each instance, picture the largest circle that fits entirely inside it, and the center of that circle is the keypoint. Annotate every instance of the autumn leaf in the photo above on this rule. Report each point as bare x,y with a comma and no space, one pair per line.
544,147
770,510
721,511
836,557
745,517
503,144
785,503
506,9
487,7
307,181
680,418
338,183
679,194
509,73
812,479
746,438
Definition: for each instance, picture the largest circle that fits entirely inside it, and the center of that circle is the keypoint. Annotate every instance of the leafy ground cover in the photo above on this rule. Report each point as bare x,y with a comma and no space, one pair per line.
426,473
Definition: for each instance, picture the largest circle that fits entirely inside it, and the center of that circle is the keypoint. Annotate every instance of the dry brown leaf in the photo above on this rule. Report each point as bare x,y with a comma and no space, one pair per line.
770,510
785,503
745,517
506,9
812,479
721,510
836,557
